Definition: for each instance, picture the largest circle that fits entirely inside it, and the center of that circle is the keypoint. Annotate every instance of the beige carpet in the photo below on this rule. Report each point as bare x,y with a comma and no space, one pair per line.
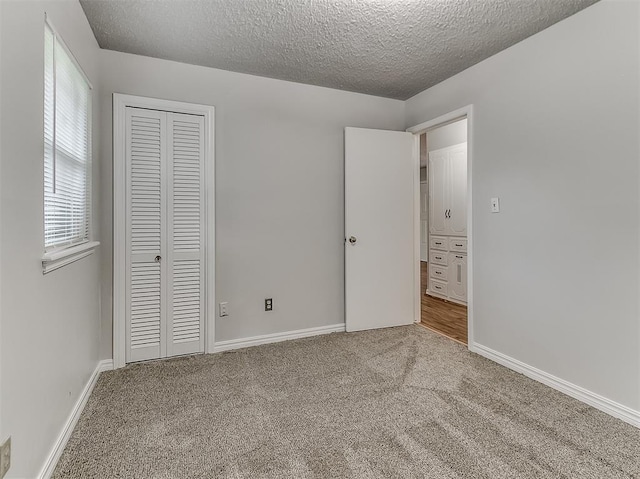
394,403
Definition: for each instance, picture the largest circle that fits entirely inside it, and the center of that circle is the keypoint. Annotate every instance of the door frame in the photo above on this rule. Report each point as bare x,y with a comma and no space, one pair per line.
120,103
417,130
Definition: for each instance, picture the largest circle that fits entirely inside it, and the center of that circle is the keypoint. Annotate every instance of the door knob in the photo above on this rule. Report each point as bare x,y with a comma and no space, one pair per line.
352,239
157,259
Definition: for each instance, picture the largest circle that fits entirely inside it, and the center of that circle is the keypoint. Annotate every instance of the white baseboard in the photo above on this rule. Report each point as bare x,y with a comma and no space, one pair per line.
605,405
276,337
70,423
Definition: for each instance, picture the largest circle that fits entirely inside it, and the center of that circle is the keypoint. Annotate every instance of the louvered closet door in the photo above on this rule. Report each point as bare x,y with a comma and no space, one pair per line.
185,235
145,230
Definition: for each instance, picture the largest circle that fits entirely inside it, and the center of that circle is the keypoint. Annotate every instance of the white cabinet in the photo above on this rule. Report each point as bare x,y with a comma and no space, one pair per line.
457,277
457,181
438,201
448,223
448,268
448,191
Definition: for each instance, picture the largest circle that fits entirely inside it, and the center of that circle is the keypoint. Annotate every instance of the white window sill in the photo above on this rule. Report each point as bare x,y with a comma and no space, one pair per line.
55,259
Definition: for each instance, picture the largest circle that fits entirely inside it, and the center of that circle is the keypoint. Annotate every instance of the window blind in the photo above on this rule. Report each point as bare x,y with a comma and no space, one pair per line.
67,146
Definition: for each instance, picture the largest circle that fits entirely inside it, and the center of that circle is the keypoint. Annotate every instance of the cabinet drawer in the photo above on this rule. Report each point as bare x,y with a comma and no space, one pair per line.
457,258
438,272
438,257
437,287
458,244
438,242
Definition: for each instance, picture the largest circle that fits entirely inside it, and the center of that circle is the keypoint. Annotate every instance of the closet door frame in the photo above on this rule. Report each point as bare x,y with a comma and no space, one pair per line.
120,103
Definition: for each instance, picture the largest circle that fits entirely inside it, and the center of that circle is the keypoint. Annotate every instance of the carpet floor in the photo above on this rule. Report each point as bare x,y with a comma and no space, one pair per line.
394,403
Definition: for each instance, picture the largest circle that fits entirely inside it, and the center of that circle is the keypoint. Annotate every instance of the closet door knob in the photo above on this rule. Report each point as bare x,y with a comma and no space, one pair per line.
158,258
352,239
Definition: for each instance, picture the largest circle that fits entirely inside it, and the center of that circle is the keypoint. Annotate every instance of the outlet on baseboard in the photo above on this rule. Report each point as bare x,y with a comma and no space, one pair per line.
268,304
5,457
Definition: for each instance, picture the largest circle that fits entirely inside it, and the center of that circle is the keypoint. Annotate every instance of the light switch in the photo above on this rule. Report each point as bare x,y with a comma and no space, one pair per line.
495,205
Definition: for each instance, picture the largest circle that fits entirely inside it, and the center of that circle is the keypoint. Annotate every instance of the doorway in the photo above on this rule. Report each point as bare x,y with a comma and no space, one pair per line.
382,253
444,219
164,248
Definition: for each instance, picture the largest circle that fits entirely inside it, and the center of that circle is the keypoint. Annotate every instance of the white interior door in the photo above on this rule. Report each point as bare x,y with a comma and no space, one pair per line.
380,171
185,235
145,229
165,234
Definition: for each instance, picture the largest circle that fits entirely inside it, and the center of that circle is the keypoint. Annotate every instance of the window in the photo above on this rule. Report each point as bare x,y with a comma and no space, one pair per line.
67,152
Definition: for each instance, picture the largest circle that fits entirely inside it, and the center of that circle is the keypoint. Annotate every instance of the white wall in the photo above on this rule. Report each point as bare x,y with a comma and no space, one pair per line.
50,324
279,187
556,273
447,135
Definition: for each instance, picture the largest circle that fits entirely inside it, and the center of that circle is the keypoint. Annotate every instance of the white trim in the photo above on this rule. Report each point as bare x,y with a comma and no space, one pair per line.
210,254
466,111
417,293
442,120
60,257
605,405
119,231
120,103
276,337
67,428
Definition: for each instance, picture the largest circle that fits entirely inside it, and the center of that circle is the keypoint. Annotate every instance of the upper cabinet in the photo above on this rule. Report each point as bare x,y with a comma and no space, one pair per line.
448,191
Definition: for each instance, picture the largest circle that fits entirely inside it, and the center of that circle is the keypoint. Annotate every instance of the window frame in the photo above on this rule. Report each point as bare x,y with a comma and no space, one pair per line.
68,251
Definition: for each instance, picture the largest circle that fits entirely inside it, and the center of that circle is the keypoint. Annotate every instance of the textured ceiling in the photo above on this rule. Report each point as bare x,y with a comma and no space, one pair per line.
390,48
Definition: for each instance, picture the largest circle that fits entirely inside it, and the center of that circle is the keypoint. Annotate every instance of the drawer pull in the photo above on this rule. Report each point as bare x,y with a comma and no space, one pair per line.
458,245
437,242
459,257
438,272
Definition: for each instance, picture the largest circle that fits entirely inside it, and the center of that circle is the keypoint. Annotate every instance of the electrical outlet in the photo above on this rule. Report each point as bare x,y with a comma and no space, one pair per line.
5,457
224,309
268,304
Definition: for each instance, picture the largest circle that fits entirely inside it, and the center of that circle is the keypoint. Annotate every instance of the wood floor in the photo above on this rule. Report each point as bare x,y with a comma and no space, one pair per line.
444,317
